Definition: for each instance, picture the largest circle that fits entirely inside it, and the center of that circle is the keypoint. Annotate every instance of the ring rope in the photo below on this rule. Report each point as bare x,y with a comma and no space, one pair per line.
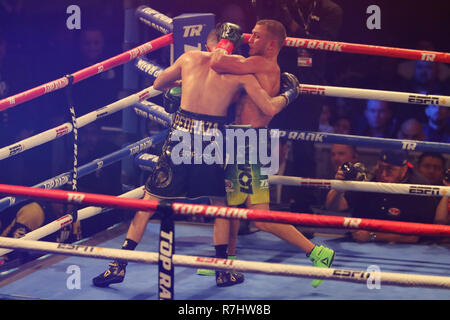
324,137
332,138
363,141
85,73
148,161
386,278
370,94
336,46
82,121
92,166
67,219
152,111
230,212
154,19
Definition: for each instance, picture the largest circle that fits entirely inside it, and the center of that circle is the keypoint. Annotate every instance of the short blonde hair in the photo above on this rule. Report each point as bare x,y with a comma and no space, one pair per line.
276,30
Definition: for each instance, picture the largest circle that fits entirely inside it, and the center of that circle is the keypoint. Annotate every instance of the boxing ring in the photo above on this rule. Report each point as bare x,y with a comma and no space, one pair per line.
360,271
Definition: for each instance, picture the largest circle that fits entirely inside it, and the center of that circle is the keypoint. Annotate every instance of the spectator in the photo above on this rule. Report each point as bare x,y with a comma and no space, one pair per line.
21,219
437,129
99,90
423,77
325,119
433,166
392,167
411,129
342,125
378,120
341,153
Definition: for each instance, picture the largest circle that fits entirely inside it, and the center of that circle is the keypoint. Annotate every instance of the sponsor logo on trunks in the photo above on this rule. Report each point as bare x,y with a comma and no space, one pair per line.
204,142
229,186
432,191
245,178
423,99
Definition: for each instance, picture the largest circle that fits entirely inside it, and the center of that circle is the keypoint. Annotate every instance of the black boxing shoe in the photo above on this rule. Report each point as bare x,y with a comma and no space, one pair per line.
115,274
227,279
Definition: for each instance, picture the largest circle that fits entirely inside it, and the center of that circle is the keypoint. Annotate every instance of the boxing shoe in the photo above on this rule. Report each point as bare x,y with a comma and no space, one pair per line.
115,274
227,279
321,257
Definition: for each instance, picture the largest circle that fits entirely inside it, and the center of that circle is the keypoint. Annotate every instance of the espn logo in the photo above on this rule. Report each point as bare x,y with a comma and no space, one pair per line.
18,148
434,191
62,131
192,31
423,99
312,90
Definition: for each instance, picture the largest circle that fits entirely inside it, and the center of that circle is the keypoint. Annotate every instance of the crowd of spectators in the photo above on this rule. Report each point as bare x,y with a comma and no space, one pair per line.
36,46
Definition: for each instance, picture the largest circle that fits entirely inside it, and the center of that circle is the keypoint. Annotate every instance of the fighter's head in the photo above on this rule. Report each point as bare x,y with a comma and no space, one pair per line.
267,38
211,41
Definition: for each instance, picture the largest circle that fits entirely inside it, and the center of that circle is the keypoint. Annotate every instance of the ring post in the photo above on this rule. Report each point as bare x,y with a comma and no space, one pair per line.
130,123
166,281
190,32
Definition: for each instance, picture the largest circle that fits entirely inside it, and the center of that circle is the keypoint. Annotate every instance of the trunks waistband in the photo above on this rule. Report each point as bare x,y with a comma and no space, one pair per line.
196,122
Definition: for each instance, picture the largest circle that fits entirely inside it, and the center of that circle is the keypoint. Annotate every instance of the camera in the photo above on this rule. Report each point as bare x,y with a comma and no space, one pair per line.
354,171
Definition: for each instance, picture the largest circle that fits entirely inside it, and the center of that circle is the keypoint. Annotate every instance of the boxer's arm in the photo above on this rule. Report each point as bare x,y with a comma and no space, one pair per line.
169,77
236,64
269,105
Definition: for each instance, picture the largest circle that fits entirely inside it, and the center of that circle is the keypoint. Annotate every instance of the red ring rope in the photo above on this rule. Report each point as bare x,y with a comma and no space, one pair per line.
228,212
85,73
364,49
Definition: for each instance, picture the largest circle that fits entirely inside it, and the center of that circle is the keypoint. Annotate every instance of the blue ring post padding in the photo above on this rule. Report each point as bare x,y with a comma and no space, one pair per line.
154,112
94,165
361,141
148,68
155,19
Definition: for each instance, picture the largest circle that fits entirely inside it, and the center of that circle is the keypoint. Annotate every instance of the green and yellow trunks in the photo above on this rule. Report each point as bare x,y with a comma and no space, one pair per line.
245,181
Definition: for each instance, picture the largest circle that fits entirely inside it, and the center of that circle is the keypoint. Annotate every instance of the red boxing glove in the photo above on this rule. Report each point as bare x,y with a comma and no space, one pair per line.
230,36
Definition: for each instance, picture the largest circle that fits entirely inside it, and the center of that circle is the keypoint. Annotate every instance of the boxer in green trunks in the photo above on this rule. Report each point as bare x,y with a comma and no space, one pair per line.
267,39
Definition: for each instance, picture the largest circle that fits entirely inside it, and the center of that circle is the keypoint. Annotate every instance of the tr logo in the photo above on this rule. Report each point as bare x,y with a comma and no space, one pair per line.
192,31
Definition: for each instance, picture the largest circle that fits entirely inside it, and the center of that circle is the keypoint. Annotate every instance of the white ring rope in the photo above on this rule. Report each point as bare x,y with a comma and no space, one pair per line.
370,94
66,128
362,277
67,219
148,161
